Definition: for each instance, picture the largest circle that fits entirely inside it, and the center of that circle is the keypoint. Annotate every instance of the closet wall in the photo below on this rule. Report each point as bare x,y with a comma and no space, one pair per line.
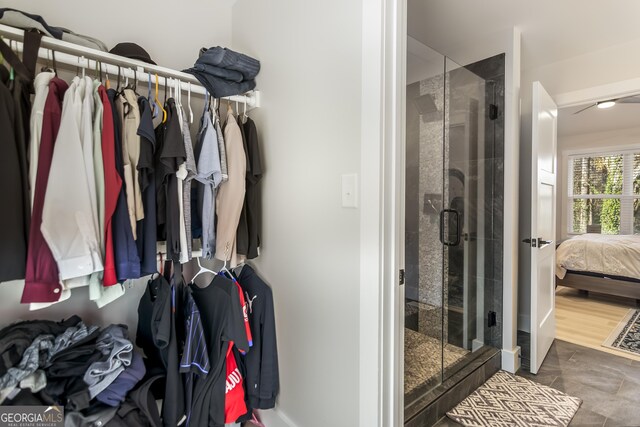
310,125
172,32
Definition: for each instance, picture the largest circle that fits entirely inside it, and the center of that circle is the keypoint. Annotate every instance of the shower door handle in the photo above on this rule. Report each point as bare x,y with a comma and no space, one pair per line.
446,241
456,242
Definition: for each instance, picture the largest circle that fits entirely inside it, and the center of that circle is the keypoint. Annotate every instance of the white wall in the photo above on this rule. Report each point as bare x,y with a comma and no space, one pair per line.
172,32
593,142
309,127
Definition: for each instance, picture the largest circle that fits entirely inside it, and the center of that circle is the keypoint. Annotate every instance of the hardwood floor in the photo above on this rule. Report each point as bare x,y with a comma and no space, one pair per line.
588,320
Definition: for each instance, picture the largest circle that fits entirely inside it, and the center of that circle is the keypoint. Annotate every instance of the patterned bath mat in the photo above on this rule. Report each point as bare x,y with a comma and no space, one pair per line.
626,336
509,400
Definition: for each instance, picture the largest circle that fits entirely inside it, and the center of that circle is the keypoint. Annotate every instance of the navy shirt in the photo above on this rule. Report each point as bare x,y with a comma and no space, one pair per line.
146,228
261,363
124,247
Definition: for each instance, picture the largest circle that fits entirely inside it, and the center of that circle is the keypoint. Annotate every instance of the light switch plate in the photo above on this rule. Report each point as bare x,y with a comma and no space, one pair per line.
350,190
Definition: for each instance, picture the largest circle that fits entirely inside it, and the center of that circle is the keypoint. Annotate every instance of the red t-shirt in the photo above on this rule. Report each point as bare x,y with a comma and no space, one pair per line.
234,405
245,315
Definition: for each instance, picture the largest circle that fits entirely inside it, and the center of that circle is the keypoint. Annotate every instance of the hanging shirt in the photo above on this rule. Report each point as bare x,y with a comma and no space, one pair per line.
99,292
126,253
98,162
14,175
223,322
157,336
67,216
186,173
127,104
194,364
146,242
170,155
85,90
242,232
261,363
231,194
112,186
41,84
210,177
42,277
249,227
84,95
221,147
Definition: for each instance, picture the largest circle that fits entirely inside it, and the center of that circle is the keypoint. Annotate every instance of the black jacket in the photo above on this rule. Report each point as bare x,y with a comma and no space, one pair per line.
261,362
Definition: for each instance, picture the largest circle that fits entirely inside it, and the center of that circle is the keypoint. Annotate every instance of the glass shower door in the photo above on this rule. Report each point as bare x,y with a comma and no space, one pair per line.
463,216
449,204
423,336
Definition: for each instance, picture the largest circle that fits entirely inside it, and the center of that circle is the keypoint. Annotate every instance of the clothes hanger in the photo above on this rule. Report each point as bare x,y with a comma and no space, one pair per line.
118,83
189,102
45,68
165,90
152,104
201,270
134,86
53,59
157,101
107,83
12,74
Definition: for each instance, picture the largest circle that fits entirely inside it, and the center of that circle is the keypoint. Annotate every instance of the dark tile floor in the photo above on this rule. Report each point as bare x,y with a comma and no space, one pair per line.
608,385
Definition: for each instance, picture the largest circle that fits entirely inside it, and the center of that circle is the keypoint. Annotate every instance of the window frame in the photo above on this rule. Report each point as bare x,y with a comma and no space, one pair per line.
626,197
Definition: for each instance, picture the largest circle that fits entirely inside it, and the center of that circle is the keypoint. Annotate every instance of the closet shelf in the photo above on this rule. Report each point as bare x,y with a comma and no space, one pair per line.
81,56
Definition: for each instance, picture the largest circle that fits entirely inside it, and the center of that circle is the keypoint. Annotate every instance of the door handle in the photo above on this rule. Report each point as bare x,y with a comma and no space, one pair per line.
446,241
457,235
542,243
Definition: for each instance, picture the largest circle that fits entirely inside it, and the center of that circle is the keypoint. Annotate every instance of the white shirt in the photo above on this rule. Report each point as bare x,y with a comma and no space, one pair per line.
41,84
67,214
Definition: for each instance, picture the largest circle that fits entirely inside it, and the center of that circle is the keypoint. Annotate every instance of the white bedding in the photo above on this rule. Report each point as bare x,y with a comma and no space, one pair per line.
600,253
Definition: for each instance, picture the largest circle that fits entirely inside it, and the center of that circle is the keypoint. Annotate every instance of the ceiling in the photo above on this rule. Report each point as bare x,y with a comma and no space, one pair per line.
620,116
552,30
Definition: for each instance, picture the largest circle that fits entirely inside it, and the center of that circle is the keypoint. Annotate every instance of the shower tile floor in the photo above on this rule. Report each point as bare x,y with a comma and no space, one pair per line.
422,363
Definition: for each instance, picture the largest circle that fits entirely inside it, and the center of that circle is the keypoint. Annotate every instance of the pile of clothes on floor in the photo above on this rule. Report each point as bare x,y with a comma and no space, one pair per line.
89,370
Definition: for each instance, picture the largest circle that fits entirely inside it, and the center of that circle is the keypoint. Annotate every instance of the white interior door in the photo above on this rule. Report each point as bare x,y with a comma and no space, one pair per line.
543,224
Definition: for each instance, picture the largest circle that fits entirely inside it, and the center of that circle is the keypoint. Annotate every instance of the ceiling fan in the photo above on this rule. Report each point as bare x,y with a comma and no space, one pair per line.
631,99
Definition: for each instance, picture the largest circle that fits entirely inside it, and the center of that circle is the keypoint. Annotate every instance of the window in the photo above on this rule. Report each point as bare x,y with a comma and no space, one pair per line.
604,193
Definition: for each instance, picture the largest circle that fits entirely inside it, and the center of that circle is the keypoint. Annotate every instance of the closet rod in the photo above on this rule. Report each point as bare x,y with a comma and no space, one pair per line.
81,56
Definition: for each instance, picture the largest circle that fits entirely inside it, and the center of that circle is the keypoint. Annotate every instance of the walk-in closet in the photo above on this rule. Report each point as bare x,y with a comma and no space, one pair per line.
130,290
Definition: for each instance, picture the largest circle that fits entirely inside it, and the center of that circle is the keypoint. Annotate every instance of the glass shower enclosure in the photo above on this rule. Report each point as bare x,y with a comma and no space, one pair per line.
453,220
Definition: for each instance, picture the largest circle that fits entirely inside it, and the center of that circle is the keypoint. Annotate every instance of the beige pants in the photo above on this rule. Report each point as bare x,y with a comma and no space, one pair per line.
230,196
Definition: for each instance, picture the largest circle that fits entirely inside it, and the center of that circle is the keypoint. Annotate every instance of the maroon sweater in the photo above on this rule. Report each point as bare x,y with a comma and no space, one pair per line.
42,281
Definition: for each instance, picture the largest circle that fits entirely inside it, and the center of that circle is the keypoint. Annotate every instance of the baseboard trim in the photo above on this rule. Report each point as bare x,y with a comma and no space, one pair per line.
511,360
276,418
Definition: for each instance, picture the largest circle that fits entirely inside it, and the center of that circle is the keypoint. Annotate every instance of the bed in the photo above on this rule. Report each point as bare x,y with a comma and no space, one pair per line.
608,264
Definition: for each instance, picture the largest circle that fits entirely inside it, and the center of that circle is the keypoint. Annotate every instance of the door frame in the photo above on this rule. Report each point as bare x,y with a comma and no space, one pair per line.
381,372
